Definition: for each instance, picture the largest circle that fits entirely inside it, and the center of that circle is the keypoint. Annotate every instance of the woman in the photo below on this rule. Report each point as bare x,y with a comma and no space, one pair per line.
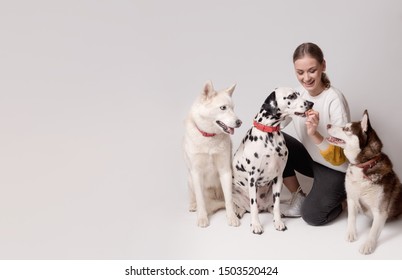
313,156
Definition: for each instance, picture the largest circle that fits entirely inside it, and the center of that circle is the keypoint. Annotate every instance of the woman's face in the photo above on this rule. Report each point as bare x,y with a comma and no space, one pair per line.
308,72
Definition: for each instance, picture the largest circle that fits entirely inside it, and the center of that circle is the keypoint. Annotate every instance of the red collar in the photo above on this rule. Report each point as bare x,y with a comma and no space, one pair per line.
206,134
266,128
369,164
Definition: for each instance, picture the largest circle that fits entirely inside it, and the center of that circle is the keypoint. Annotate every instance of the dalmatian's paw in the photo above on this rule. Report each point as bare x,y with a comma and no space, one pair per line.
279,225
257,229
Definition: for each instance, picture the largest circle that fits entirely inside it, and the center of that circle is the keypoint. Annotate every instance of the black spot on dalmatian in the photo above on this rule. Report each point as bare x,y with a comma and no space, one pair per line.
262,195
270,105
256,155
248,161
241,168
275,196
278,149
270,137
292,96
252,201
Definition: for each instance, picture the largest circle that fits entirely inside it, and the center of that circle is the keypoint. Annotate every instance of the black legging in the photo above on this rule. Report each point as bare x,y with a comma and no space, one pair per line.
324,201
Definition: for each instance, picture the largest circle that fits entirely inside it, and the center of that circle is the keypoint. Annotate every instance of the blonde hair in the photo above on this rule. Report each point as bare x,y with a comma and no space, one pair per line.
315,52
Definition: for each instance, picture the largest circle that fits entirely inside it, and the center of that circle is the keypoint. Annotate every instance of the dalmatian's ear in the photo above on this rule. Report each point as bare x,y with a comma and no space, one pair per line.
271,105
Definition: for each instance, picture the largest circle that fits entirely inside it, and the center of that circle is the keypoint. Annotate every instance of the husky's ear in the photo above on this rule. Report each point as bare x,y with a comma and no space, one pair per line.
365,122
208,90
231,89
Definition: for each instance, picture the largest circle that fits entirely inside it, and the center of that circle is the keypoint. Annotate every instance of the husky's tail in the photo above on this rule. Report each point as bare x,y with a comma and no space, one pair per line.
214,200
214,205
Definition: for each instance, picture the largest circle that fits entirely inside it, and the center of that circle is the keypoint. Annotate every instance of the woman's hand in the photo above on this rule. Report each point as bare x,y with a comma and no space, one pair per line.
313,118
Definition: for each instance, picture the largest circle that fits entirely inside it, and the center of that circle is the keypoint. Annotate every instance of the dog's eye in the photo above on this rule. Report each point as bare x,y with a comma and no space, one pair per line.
293,96
223,108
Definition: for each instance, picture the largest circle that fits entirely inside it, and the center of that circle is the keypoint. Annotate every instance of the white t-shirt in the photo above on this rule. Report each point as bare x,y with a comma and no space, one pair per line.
333,109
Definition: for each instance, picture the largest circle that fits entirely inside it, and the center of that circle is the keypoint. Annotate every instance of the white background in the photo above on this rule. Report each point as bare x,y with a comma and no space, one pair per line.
93,95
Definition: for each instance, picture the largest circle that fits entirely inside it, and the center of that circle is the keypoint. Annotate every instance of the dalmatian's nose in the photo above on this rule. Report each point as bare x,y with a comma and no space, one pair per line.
238,123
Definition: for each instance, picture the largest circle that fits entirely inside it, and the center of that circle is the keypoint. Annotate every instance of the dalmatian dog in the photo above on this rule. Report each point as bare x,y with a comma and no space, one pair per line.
261,158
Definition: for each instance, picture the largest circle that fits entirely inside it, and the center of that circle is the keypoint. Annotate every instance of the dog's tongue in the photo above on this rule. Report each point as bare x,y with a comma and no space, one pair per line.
335,140
330,139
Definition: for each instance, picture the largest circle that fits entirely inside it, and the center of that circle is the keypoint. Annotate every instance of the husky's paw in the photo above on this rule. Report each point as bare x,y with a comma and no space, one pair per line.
351,236
368,247
203,222
233,220
257,228
279,225
192,207
239,212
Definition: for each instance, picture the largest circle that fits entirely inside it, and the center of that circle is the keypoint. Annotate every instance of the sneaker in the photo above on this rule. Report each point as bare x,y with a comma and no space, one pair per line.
293,209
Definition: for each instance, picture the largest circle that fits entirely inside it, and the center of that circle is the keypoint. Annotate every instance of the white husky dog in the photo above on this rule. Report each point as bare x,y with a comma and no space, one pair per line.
208,153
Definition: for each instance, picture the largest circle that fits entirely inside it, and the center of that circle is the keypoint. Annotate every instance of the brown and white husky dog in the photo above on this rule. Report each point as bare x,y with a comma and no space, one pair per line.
371,183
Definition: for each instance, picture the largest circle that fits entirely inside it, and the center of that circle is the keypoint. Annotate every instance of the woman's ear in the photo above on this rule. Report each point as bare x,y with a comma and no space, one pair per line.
324,65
